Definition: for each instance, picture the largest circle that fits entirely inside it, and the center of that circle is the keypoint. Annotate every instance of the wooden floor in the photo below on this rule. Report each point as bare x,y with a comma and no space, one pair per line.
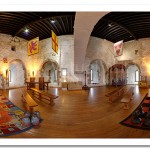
81,114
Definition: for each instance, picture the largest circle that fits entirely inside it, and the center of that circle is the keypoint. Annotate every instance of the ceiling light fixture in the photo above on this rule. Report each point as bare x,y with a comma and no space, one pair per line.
109,25
26,30
52,21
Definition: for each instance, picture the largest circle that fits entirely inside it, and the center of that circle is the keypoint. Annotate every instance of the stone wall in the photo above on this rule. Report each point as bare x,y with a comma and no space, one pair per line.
65,56
102,50
6,52
98,49
137,52
6,41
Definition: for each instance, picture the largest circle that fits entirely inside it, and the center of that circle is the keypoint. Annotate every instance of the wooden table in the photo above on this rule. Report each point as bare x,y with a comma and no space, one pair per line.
32,84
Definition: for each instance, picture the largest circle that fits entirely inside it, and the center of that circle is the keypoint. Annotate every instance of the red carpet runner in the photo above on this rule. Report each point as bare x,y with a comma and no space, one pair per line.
145,106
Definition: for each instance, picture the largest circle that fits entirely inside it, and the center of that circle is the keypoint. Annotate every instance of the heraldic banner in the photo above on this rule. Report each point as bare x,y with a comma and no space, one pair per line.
118,48
33,46
54,42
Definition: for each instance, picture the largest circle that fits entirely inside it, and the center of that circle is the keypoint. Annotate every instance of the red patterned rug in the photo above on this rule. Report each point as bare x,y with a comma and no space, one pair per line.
11,118
140,118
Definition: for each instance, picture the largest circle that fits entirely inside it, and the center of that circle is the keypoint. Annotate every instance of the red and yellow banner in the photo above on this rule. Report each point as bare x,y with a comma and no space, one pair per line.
54,42
33,46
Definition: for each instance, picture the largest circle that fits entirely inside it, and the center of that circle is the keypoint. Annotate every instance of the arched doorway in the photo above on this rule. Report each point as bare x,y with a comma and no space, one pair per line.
117,74
50,71
17,74
97,72
133,74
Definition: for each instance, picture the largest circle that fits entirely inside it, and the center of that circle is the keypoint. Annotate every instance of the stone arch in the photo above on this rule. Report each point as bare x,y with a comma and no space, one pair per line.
17,60
129,64
48,60
101,72
127,72
23,73
50,70
84,27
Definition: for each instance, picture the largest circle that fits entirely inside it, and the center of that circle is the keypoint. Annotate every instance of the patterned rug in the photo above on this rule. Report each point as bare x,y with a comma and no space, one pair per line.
142,120
11,118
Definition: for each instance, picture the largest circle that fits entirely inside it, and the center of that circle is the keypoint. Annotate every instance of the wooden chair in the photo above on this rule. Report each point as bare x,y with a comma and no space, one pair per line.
32,84
41,83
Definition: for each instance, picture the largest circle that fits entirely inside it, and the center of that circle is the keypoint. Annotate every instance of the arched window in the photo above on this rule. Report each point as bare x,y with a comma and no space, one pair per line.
136,75
133,74
91,75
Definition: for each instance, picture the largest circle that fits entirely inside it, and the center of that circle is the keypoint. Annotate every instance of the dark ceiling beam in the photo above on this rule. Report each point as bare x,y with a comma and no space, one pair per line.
63,24
119,36
61,28
67,23
120,25
38,20
71,26
54,26
115,31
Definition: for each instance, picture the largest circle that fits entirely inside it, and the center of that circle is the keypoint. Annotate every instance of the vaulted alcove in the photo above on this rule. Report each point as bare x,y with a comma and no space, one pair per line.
97,72
50,72
16,74
117,74
133,74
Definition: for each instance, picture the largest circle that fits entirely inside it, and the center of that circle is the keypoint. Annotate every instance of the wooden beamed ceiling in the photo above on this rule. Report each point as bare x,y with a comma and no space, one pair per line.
113,27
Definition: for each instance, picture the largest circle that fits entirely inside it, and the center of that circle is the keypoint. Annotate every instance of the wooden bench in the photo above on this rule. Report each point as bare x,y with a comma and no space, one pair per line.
113,95
127,98
43,95
29,101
